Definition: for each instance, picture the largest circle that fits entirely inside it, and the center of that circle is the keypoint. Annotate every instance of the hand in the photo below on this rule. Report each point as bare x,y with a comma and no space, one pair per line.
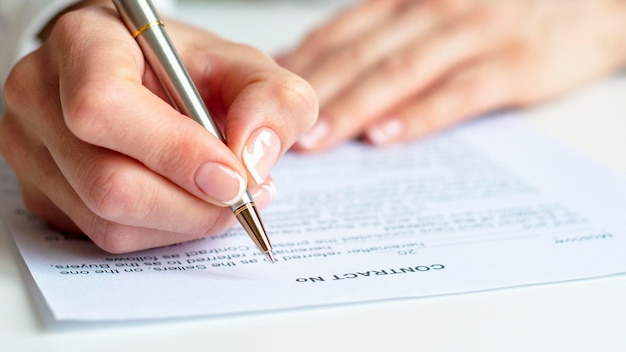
394,70
97,151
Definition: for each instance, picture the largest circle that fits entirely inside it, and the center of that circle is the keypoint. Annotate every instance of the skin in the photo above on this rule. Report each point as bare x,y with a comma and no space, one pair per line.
98,151
395,70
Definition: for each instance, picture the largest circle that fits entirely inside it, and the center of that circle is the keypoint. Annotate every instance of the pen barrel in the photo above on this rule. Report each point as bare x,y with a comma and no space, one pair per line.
146,27
145,24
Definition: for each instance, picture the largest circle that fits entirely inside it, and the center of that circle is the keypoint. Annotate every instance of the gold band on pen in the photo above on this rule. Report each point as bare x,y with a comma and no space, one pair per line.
146,26
244,207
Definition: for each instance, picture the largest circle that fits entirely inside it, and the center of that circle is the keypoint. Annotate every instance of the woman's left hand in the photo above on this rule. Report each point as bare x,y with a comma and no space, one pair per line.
394,70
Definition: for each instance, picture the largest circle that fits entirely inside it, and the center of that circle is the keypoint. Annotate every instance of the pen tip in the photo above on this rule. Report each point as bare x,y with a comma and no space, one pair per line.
251,222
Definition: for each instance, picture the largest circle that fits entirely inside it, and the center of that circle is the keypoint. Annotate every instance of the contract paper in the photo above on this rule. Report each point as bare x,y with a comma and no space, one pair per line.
489,205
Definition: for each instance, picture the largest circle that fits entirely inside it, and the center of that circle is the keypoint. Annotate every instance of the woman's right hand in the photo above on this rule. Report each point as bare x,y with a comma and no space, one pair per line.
97,150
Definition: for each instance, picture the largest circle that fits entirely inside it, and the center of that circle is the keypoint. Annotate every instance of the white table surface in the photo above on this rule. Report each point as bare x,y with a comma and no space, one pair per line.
586,315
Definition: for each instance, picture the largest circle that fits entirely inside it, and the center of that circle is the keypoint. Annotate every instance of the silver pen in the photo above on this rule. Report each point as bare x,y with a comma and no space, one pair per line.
146,27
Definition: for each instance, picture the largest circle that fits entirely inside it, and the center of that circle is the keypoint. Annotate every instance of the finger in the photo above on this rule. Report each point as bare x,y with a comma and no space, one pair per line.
472,91
266,107
45,191
333,72
23,152
396,79
44,208
110,189
106,105
131,208
106,184
170,221
120,238
264,193
343,28
266,119
119,197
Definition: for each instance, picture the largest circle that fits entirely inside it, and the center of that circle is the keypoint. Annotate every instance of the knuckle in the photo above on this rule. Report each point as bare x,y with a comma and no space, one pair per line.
398,66
67,30
111,196
294,92
110,237
87,109
352,55
69,24
182,152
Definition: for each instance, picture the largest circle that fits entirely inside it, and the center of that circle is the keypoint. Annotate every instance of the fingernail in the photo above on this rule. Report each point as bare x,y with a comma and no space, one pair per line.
264,195
312,138
220,183
261,153
385,132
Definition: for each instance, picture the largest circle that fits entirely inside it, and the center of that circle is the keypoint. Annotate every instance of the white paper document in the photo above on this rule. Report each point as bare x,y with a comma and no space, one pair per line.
489,205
